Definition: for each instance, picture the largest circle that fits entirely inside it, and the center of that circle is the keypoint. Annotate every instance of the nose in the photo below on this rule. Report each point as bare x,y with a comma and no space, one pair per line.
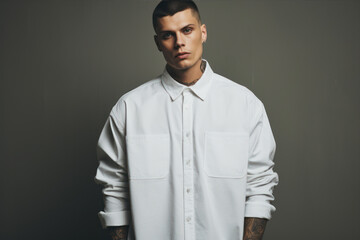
179,41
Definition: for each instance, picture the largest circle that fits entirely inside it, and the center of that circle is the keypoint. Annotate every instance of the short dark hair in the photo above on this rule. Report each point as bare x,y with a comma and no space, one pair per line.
170,7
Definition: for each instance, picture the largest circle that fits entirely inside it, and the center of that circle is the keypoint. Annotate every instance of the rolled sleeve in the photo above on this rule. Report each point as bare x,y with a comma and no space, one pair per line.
112,170
261,179
114,218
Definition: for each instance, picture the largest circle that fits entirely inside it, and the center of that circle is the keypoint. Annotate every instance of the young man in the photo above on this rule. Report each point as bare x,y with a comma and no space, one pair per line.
187,155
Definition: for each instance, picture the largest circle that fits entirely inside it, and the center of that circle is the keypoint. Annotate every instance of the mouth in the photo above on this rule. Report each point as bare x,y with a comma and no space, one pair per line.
182,55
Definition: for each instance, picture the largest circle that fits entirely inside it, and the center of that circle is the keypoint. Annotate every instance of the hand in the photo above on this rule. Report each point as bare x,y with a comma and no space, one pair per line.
254,228
118,232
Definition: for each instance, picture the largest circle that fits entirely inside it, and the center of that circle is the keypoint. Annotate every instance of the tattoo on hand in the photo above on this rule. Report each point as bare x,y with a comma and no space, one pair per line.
254,228
118,233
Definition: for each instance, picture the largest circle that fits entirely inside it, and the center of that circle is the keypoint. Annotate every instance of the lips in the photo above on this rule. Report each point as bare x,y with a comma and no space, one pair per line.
182,55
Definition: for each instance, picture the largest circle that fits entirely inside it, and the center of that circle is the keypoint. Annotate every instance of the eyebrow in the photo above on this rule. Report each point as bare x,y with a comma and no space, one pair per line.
167,31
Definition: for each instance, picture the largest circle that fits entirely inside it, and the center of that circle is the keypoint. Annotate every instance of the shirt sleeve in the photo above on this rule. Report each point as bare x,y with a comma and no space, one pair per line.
112,170
261,179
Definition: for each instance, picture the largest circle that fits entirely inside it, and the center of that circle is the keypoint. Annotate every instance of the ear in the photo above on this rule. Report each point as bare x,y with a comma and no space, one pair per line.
203,33
157,42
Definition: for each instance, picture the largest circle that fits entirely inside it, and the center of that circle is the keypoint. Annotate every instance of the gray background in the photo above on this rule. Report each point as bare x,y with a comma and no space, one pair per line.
63,64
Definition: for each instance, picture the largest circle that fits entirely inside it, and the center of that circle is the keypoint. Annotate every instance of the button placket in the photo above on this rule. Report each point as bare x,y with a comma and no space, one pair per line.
187,166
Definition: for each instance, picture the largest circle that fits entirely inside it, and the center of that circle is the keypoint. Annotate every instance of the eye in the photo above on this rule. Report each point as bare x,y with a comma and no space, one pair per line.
187,30
166,35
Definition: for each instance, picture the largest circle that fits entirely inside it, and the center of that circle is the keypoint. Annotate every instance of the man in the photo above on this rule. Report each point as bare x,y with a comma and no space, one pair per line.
187,155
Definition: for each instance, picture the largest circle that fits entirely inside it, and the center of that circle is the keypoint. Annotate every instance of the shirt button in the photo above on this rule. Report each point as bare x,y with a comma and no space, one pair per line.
186,107
187,134
188,219
188,162
188,190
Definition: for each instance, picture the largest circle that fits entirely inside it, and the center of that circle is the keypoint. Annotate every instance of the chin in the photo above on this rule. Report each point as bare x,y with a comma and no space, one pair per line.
183,65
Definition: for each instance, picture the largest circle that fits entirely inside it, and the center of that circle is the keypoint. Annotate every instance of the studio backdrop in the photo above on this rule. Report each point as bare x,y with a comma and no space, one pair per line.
64,64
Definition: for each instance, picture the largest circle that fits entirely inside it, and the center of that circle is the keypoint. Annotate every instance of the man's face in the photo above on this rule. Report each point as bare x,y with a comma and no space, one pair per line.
179,38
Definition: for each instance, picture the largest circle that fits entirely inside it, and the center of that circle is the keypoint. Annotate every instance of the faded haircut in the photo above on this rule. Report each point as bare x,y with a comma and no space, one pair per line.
170,7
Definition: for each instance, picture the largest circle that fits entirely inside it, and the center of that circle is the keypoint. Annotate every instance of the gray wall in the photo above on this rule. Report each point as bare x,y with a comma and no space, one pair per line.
63,64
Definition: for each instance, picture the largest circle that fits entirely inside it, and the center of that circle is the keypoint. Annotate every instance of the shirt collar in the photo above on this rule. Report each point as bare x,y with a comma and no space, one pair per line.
200,88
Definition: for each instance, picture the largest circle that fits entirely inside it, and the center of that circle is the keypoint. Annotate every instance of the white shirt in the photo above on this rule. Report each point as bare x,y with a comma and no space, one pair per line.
186,163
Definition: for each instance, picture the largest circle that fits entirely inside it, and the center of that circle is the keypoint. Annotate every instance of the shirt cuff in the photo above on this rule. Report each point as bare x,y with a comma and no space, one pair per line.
259,210
114,218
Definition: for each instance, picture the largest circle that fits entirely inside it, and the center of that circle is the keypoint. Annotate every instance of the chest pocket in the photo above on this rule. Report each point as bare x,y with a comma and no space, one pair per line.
226,154
148,156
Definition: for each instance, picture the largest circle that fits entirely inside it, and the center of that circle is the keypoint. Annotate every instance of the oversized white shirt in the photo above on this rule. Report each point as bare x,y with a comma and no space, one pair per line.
186,163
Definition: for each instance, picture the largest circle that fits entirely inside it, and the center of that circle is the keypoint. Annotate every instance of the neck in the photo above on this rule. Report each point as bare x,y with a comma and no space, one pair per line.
189,76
